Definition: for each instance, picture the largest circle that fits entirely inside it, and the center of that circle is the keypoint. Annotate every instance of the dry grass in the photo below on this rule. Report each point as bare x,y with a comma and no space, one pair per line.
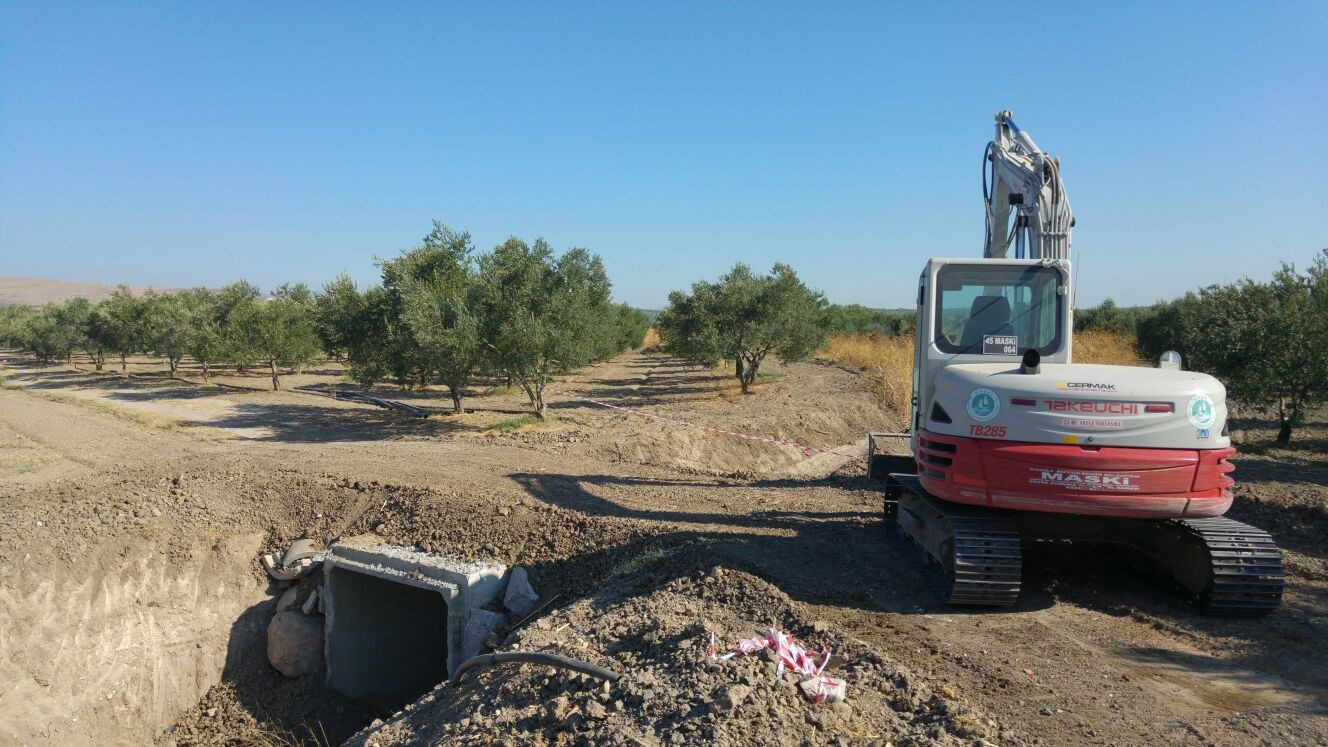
651,341
887,362
1112,348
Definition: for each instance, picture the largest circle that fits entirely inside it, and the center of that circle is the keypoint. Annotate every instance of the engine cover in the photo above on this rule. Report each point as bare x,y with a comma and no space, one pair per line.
1080,404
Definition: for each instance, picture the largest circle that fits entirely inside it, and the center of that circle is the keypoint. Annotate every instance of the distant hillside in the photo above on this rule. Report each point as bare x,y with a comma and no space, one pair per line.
35,291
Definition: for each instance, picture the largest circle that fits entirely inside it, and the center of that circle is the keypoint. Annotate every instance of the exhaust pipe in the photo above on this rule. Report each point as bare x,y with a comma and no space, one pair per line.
1032,362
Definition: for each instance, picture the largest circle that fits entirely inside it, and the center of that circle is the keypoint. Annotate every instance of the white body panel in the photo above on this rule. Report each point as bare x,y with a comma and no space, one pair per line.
1073,403
1085,404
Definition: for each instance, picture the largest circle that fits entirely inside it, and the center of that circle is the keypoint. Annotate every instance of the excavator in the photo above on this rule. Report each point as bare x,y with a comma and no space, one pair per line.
1012,442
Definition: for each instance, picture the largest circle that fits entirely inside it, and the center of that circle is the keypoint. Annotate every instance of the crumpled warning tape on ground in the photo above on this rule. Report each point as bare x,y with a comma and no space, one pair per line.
699,426
789,655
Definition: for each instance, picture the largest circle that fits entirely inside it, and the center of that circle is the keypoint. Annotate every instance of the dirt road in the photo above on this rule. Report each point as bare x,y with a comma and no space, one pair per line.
133,510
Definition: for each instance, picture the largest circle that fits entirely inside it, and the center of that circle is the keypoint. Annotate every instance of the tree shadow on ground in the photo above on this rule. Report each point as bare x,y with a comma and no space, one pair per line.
850,559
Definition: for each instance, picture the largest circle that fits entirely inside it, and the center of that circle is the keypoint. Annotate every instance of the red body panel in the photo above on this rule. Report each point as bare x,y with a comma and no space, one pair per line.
1074,479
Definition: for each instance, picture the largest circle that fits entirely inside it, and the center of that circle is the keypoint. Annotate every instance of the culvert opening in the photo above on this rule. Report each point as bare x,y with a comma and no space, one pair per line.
400,620
388,641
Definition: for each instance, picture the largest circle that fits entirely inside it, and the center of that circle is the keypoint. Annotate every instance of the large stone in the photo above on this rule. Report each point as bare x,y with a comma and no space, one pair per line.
520,598
730,697
288,599
295,643
478,627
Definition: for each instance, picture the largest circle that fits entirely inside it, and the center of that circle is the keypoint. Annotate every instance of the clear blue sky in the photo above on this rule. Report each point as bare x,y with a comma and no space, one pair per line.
182,144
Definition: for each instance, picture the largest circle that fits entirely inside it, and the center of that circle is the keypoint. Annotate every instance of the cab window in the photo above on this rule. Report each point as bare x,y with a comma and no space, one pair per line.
999,309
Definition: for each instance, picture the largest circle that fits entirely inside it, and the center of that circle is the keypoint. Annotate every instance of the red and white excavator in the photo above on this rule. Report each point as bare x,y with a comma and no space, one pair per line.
1012,442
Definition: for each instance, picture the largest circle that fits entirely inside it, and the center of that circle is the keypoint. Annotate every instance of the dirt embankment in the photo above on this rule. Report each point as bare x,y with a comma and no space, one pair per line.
132,584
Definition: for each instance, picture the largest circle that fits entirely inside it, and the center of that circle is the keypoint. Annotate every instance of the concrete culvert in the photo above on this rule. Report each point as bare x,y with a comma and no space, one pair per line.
390,640
399,620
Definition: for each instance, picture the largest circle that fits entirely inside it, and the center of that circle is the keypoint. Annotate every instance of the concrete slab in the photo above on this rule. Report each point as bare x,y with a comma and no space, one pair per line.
397,619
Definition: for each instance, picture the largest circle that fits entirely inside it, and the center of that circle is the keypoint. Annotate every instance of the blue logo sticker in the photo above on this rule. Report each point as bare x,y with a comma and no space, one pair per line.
1202,433
1201,411
983,405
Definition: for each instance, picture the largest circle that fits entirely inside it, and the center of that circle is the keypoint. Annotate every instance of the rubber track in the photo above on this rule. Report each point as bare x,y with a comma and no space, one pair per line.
1245,572
988,560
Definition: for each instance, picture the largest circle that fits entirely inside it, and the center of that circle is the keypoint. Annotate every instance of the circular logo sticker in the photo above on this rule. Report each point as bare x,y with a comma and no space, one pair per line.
1201,411
983,404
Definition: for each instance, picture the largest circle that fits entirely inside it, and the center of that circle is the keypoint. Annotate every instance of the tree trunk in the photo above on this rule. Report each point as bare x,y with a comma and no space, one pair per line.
206,379
123,365
1284,433
174,363
456,399
737,371
100,360
748,376
535,391
276,382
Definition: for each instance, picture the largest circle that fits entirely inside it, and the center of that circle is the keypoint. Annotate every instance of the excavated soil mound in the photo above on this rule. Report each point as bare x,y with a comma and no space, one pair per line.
671,691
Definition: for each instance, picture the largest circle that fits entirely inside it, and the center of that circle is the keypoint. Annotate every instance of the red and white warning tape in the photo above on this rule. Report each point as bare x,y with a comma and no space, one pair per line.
789,655
699,426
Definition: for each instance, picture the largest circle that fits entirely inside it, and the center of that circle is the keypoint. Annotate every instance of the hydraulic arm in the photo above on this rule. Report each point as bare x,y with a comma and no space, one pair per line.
1027,182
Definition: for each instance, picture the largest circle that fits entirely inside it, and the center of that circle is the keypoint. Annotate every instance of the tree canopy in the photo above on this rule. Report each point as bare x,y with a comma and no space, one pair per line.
743,318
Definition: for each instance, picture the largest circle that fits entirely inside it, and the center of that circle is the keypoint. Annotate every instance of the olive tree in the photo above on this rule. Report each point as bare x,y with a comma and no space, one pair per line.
280,330
1266,341
433,330
743,318
354,323
203,341
627,330
13,325
166,327
235,310
540,314
46,336
122,324
437,308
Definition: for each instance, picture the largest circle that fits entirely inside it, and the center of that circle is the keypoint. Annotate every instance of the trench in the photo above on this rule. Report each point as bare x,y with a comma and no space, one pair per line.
115,644
152,642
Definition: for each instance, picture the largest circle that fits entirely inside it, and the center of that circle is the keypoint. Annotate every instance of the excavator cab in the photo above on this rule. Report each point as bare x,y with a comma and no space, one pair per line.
988,311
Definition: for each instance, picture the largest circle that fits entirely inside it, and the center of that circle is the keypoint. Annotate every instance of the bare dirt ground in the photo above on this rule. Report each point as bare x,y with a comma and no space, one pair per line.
133,510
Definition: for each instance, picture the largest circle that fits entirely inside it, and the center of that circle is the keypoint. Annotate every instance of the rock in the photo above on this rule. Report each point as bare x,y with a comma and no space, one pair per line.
820,626
481,625
729,697
295,643
504,511
596,711
212,713
310,603
1045,711
556,709
520,597
843,710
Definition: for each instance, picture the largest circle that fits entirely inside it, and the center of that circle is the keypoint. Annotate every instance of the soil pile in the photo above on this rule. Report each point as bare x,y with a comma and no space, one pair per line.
671,691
